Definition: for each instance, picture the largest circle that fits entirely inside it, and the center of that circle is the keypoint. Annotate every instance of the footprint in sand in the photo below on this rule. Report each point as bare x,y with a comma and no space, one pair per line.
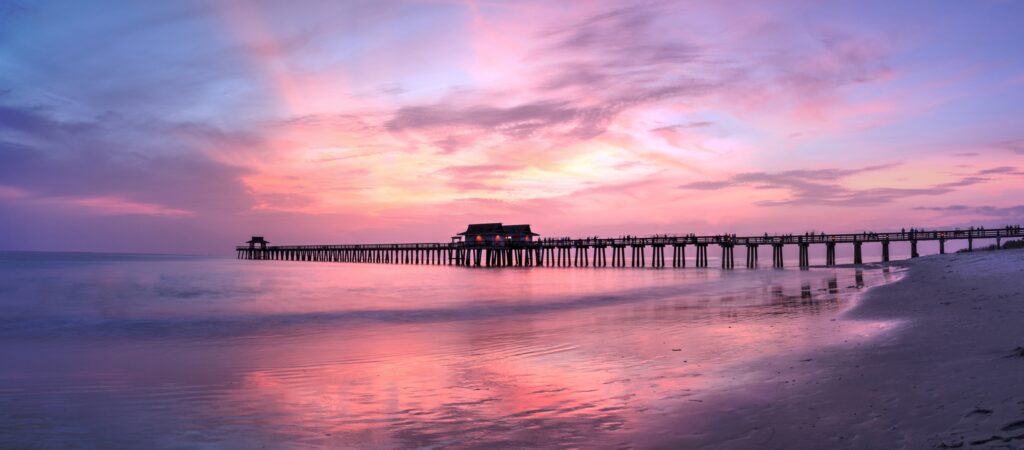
1014,426
979,412
953,442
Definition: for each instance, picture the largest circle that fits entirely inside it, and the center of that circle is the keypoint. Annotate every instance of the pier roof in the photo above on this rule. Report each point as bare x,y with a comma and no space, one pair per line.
483,228
519,230
498,228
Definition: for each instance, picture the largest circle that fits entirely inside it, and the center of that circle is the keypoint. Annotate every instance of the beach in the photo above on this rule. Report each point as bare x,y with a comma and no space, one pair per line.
526,224
950,375
133,351
156,351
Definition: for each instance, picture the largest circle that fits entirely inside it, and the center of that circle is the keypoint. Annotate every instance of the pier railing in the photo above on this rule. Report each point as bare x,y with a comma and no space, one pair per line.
583,252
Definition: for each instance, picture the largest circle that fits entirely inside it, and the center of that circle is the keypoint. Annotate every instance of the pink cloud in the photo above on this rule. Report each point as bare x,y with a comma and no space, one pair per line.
101,205
363,119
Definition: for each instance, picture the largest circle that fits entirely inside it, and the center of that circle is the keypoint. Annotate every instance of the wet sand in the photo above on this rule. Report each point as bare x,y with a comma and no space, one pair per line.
150,351
949,375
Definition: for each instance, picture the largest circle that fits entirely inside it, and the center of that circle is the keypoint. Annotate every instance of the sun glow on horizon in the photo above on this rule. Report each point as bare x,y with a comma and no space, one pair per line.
596,116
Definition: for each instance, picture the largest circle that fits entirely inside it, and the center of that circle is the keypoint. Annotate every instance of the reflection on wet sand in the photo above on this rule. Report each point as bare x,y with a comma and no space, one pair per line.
594,376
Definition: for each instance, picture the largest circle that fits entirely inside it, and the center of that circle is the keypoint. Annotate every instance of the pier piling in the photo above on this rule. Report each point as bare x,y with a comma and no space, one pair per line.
727,256
777,260
678,255
702,255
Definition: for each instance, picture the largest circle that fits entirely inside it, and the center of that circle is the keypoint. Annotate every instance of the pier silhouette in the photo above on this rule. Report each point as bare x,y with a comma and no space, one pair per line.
526,250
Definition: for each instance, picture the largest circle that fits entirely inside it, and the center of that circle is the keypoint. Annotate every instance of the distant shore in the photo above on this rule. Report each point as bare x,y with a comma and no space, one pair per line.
950,375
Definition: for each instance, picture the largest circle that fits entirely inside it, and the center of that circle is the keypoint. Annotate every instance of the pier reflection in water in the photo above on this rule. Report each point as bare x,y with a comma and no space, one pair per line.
183,352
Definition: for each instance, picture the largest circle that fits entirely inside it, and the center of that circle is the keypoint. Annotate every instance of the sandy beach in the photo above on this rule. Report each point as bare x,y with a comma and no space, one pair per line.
187,354
950,374
151,351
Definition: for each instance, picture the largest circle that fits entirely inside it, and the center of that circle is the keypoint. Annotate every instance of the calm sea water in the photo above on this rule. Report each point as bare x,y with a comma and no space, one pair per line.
128,351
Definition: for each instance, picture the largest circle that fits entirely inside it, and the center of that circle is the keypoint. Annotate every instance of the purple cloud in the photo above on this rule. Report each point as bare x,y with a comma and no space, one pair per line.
1002,170
707,185
520,120
1016,146
992,211
51,158
598,68
683,126
821,187
478,176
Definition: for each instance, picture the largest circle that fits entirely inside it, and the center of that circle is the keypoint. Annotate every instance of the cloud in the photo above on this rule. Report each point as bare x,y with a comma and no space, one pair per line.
707,185
1015,146
842,58
637,189
682,126
783,179
519,120
999,170
102,205
1010,211
474,170
950,208
965,181
834,195
113,165
478,176
454,143
613,47
580,78
1002,170
597,112
822,187
991,211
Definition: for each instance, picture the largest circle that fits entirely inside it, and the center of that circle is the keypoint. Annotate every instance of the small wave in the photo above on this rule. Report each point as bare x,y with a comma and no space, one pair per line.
245,324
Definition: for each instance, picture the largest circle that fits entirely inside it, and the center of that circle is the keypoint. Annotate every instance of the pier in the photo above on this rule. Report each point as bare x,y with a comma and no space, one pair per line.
520,247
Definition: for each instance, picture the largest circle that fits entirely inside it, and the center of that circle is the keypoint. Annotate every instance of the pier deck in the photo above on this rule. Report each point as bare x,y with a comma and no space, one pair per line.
591,252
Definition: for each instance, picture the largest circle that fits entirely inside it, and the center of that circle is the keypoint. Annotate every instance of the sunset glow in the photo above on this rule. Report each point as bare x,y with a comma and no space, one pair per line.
184,126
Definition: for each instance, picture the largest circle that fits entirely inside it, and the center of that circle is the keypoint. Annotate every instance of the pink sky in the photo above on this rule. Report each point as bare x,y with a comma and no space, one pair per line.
194,126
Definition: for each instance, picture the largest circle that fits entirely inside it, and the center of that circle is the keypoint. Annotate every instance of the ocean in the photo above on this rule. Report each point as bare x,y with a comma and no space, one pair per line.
153,351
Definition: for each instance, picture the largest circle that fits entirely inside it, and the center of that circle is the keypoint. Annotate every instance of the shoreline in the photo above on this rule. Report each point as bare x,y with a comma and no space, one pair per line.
948,376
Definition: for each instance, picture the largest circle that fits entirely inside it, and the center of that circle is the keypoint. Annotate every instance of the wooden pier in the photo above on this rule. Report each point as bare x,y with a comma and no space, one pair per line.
593,252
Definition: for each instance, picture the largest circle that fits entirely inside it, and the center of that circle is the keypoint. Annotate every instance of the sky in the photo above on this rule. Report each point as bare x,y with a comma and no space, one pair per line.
186,127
